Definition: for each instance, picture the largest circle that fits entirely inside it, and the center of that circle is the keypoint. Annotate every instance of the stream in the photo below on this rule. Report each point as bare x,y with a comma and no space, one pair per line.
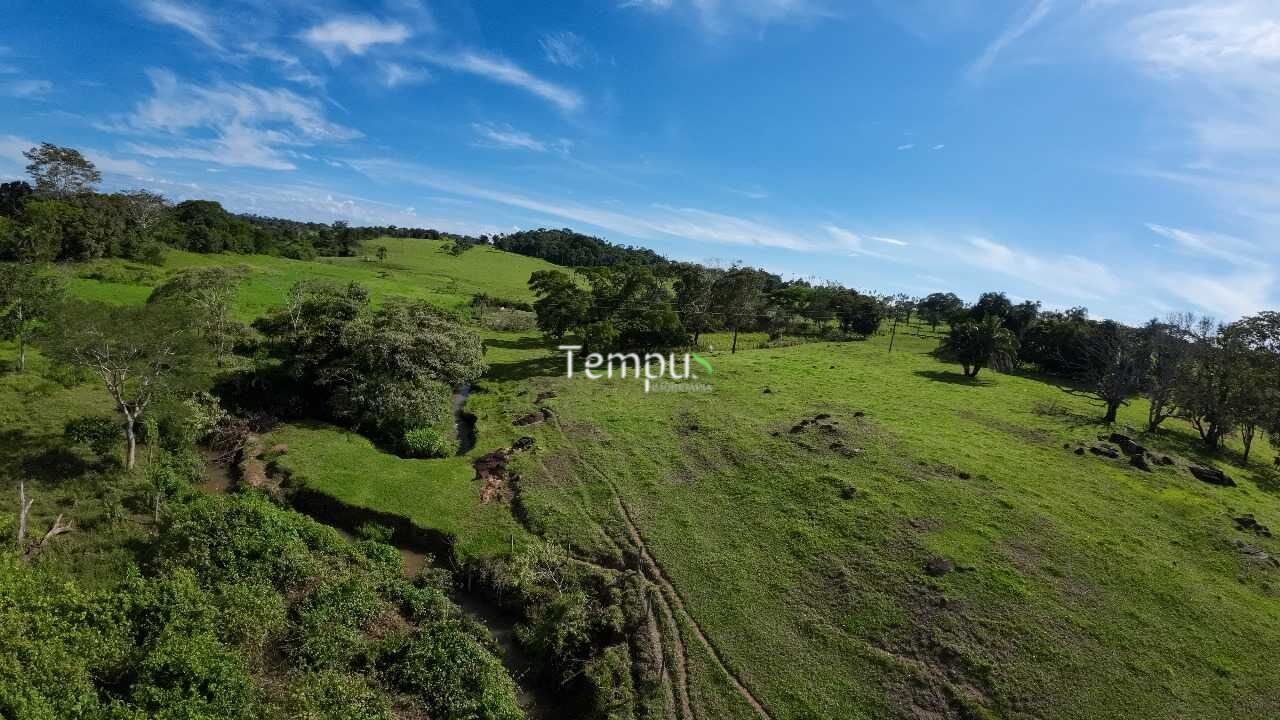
464,423
538,701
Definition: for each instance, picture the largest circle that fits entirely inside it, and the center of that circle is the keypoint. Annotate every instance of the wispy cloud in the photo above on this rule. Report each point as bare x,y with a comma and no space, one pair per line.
1035,14
721,16
856,243
908,146
184,17
1223,247
1229,297
938,147
394,75
354,35
228,124
506,137
501,70
1067,275
28,88
652,222
563,48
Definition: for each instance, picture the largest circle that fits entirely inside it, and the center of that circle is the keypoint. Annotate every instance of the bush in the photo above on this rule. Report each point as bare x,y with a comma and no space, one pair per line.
101,434
600,336
425,442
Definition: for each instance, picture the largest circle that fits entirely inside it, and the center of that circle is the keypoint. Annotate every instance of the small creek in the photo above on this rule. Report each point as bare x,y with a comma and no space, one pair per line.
538,701
464,423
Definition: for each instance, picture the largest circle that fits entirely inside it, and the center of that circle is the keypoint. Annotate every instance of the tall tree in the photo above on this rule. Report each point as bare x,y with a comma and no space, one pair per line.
738,294
61,171
561,305
1113,366
1168,344
29,294
940,307
134,350
208,293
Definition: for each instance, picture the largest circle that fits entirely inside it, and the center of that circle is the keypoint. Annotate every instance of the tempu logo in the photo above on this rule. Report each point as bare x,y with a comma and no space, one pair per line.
651,367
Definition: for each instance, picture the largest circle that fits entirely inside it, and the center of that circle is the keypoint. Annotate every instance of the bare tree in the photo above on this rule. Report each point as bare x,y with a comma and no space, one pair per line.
31,551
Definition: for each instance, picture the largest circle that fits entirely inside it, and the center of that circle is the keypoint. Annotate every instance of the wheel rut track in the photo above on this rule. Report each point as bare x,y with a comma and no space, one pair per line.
659,577
670,604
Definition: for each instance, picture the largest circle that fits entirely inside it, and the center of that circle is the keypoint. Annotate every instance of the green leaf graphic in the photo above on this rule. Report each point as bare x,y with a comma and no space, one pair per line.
703,362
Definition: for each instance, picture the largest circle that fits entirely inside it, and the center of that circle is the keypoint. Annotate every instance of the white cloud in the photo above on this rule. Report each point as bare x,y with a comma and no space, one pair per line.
113,165
856,244
655,221
1006,38
908,146
394,75
563,48
249,126
506,137
29,88
354,35
185,18
1224,59
938,146
1069,275
721,16
1229,296
1223,247
502,70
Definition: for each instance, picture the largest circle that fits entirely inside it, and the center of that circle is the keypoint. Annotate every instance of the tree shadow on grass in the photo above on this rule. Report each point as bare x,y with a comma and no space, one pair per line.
546,366
529,342
952,378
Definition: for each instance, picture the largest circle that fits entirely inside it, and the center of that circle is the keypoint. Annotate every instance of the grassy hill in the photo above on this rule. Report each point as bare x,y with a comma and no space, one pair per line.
836,531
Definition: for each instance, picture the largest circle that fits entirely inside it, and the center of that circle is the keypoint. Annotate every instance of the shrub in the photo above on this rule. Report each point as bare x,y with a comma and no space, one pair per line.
376,532
600,336
101,434
425,442
451,674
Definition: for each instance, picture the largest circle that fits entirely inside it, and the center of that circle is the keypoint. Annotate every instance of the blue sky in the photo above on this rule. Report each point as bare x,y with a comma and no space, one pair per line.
1117,154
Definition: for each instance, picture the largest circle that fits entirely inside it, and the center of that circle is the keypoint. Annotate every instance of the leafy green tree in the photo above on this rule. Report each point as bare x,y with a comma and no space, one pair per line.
135,351
562,305
206,293
1113,366
738,294
940,307
42,225
12,196
60,171
975,345
857,313
29,295
694,286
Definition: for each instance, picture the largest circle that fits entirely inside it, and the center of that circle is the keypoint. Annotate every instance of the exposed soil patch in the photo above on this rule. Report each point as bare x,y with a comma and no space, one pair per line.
537,416
491,469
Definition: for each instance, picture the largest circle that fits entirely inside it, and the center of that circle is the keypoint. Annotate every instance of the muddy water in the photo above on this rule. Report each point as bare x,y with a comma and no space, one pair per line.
464,423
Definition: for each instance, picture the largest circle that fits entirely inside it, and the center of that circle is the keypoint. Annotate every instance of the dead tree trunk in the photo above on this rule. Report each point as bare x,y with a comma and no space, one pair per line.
24,509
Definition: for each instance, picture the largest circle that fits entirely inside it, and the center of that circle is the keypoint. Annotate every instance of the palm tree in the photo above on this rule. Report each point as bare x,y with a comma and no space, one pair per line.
976,345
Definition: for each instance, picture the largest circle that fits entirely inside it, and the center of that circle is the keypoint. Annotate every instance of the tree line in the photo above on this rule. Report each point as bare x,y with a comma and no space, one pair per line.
60,215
